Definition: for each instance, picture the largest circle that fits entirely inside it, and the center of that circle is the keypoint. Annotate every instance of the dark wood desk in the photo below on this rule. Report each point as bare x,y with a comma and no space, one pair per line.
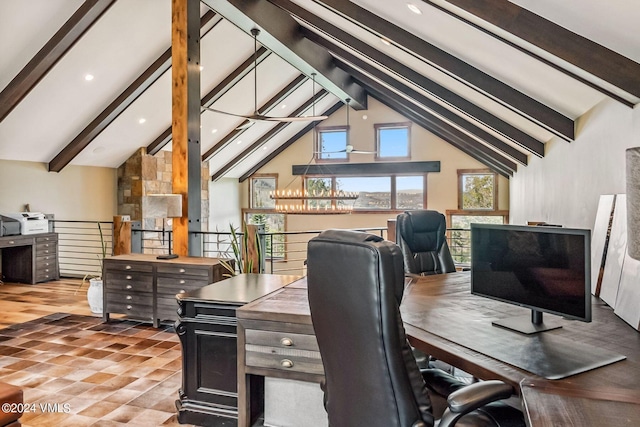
429,305
30,258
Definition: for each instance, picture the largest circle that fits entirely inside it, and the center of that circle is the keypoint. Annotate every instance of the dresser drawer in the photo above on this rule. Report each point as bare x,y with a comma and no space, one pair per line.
135,282
45,276
46,258
175,285
135,310
124,266
184,270
9,242
130,298
281,340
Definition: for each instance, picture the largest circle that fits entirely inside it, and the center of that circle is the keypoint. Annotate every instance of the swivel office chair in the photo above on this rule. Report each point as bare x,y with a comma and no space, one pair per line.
421,237
355,285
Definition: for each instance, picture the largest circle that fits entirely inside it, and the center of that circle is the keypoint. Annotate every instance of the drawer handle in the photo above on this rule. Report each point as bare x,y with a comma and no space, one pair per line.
129,277
128,267
129,297
128,287
286,342
11,242
129,307
182,270
46,270
46,245
46,264
182,291
286,363
182,282
46,252
46,238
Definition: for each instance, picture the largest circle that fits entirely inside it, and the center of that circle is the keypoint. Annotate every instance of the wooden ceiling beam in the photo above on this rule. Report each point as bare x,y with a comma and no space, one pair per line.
532,145
263,109
440,128
579,51
472,77
308,128
120,104
267,136
280,33
43,61
215,94
399,69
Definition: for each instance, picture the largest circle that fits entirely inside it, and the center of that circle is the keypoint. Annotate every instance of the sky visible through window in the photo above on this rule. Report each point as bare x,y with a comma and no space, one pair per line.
332,141
394,142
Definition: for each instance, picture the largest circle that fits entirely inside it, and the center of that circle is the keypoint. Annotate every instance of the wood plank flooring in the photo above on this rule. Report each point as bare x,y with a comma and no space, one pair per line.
116,374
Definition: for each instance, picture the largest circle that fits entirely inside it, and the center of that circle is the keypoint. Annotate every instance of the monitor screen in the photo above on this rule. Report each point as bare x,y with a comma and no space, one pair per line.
546,269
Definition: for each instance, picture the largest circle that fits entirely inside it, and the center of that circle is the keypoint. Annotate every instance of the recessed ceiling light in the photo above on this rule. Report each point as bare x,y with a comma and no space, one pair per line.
385,41
142,120
413,8
201,68
264,148
365,117
88,77
214,130
283,106
98,150
239,142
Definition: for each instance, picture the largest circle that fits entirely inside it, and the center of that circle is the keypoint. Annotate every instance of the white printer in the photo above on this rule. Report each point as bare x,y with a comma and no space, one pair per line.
30,222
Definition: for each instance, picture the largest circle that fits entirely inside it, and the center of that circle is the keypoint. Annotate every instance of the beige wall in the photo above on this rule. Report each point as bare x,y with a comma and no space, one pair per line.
442,186
564,187
76,193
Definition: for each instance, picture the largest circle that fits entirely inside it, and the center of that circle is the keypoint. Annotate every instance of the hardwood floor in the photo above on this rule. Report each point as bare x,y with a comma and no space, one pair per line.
115,374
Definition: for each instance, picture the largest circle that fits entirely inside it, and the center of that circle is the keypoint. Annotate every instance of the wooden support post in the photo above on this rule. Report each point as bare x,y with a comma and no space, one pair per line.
185,125
251,250
391,230
121,235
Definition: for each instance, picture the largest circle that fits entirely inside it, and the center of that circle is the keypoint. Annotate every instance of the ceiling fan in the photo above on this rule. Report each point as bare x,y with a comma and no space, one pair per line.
348,148
256,116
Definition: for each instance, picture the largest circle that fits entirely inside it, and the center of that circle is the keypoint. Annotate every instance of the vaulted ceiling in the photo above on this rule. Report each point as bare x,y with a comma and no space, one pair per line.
497,79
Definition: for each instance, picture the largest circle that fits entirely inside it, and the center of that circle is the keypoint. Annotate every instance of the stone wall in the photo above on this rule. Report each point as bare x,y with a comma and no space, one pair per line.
143,174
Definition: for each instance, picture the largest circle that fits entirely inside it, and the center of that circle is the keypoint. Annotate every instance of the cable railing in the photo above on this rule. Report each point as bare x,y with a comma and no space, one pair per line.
80,246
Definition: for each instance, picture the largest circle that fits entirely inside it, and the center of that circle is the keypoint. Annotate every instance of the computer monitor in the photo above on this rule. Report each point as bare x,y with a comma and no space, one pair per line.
546,269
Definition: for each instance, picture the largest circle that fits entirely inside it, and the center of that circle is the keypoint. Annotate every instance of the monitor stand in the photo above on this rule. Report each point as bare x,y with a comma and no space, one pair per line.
528,324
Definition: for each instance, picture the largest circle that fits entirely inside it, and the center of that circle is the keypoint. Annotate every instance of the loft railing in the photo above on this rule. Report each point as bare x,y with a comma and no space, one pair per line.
80,246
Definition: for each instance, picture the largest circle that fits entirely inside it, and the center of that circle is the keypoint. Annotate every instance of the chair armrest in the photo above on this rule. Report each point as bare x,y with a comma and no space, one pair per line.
472,397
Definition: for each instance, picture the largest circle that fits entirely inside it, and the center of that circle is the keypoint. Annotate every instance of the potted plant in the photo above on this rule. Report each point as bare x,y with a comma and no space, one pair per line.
94,292
242,252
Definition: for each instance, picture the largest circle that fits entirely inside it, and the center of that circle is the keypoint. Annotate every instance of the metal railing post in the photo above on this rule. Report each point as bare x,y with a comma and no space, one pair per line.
136,237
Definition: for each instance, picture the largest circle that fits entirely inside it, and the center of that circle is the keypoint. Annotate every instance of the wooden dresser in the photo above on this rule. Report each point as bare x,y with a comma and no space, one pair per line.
31,258
141,286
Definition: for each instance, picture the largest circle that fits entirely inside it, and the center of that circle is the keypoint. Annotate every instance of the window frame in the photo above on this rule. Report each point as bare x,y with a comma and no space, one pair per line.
317,146
251,190
399,125
393,189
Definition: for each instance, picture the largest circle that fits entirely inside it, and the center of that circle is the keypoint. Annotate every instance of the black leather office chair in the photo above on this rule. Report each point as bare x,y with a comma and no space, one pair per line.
355,284
421,236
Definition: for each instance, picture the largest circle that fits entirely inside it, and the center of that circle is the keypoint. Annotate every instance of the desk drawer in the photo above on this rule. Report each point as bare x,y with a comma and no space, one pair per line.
281,340
46,247
174,285
49,239
284,359
136,298
135,310
133,282
184,270
8,242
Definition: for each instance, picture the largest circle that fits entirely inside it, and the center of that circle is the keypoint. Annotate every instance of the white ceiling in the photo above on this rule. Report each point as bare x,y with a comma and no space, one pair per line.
133,34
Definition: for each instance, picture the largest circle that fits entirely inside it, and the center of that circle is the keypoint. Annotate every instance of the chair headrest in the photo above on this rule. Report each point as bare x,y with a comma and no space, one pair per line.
423,231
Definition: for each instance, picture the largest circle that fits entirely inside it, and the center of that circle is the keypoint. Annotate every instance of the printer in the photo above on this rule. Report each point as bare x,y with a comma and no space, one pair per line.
23,223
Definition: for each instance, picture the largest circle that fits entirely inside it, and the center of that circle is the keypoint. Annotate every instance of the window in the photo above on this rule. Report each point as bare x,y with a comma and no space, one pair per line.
477,190
260,188
332,143
375,193
393,141
273,224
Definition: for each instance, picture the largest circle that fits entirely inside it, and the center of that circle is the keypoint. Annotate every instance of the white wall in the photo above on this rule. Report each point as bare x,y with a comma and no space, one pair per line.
565,185
224,204
76,193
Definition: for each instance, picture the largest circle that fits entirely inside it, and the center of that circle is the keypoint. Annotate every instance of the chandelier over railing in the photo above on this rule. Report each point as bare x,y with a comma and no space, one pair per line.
305,202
